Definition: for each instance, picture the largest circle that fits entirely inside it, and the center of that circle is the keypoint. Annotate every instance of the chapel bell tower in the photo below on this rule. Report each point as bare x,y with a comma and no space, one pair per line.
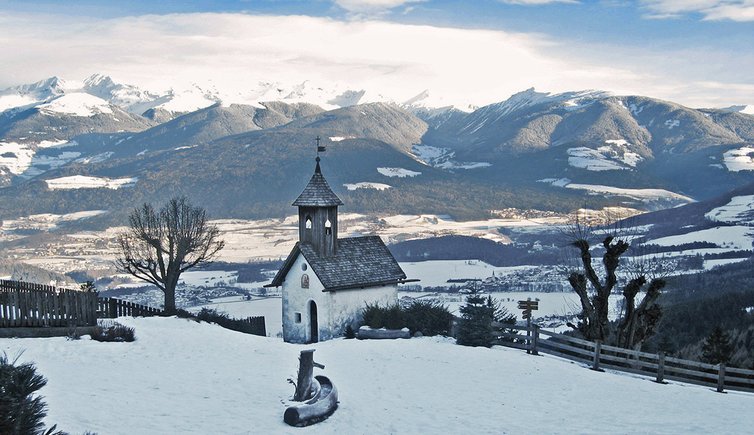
318,213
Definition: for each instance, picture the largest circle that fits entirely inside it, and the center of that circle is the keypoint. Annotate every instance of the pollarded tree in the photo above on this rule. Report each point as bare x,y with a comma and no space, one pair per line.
638,322
160,245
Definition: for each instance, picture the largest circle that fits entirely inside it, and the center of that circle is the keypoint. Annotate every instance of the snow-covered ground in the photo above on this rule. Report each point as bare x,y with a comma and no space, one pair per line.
740,209
86,182
180,376
442,158
739,159
48,221
397,172
366,185
732,238
438,272
77,104
614,155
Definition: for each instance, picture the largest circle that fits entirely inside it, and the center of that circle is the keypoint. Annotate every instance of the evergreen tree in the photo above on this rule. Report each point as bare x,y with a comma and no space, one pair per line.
475,326
717,347
21,409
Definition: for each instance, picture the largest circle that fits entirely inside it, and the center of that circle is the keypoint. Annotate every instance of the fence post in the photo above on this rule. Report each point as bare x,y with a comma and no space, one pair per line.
660,368
112,308
535,341
721,378
597,351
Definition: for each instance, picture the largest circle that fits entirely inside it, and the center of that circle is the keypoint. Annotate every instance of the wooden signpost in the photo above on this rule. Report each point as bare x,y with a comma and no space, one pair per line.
527,306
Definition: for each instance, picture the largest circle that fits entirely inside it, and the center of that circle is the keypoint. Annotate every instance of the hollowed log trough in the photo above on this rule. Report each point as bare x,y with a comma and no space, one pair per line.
318,408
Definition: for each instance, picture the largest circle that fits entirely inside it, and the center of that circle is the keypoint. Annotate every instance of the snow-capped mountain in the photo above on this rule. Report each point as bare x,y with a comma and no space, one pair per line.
129,98
743,108
19,97
533,150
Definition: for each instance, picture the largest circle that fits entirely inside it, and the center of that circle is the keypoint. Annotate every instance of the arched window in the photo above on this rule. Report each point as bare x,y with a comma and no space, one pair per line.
308,223
304,281
328,227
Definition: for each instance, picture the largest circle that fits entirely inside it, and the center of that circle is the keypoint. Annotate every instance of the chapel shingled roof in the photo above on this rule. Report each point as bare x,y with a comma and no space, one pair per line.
317,193
359,262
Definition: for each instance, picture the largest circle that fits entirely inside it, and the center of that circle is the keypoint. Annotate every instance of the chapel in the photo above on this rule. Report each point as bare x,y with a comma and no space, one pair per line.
326,281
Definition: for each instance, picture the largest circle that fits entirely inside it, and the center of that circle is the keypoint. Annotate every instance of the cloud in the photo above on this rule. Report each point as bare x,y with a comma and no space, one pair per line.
537,2
712,10
372,6
235,52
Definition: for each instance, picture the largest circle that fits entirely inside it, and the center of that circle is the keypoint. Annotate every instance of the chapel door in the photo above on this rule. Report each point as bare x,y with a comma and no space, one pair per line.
313,323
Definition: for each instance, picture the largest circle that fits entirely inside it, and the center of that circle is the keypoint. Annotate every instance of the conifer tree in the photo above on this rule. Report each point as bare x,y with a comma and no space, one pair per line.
717,347
22,410
475,326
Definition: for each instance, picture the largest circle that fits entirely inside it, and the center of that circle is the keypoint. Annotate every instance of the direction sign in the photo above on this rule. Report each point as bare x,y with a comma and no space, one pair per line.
528,305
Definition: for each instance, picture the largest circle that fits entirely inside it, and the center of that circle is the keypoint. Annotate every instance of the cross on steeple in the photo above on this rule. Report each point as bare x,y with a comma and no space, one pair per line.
320,148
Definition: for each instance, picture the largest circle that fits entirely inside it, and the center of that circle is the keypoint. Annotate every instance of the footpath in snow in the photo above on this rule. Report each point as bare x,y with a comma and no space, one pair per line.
180,376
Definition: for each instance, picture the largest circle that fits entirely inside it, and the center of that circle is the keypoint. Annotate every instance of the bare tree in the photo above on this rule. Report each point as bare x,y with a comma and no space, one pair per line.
638,322
160,245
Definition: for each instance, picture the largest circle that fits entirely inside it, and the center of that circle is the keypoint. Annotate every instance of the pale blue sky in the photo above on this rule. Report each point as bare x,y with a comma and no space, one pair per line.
695,52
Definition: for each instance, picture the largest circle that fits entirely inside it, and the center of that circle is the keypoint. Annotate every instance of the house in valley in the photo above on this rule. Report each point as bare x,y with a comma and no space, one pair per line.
326,281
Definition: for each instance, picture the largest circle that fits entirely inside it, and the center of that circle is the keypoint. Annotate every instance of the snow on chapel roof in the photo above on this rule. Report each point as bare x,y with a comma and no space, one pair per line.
317,193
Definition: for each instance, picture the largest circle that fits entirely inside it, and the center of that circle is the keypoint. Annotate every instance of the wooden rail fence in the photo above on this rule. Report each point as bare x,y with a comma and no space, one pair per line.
598,355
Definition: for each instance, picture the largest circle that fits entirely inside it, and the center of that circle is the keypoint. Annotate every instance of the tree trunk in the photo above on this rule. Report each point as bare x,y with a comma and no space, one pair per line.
170,298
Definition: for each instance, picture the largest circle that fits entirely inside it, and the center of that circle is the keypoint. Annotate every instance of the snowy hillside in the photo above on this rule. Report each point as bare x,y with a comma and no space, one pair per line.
185,377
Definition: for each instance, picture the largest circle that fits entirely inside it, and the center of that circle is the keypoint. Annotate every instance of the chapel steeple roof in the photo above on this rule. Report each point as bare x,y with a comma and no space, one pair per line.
317,193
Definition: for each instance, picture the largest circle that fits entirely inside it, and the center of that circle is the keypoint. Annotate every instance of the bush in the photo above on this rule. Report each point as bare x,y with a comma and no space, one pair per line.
429,318
389,317
113,332
222,319
21,410
349,334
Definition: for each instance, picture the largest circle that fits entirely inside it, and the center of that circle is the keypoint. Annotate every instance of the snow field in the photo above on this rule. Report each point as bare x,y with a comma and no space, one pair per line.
15,156
397,172
77,104
733,238
180,376
612,156
738,210
739,159
86,182
367,185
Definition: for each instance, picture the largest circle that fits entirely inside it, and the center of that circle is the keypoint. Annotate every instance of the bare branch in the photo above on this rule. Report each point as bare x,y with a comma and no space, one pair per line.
159,246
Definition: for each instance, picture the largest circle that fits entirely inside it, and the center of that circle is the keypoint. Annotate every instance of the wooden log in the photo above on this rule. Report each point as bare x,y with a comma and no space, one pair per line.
321,406
383,334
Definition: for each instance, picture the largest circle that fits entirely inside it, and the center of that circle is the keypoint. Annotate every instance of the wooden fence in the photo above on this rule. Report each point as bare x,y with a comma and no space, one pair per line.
24,304
110,308
256,325
598,355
